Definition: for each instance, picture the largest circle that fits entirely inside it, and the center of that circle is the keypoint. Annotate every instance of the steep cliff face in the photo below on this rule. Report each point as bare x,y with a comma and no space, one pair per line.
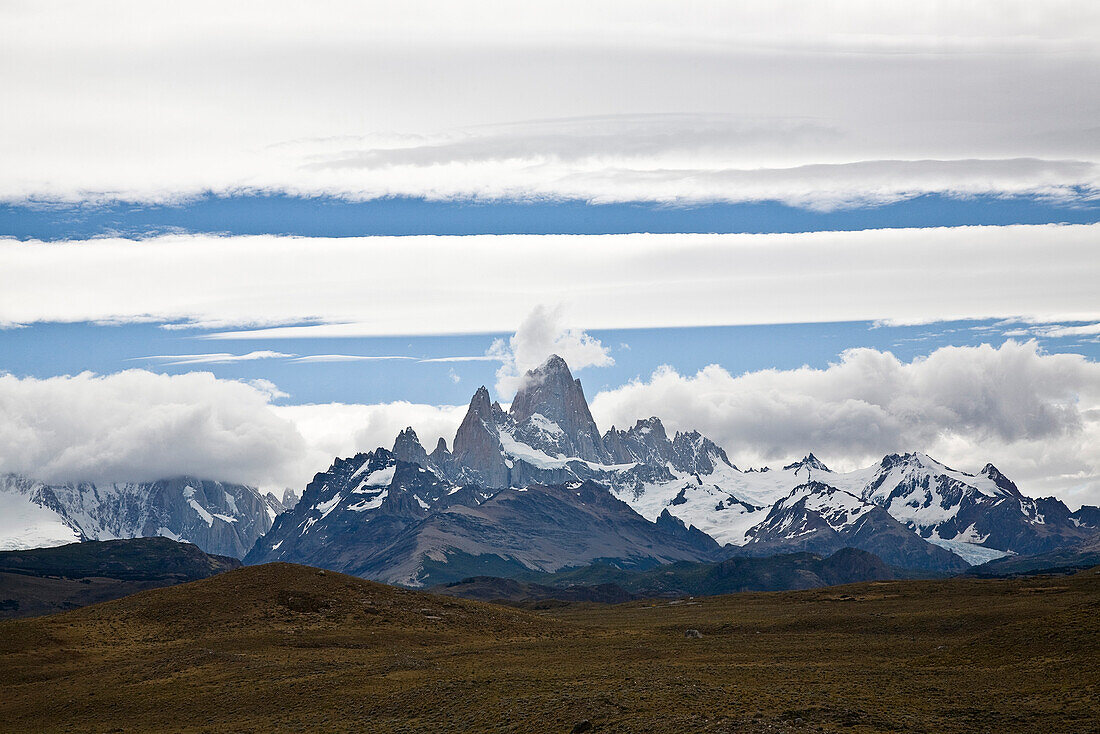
477,449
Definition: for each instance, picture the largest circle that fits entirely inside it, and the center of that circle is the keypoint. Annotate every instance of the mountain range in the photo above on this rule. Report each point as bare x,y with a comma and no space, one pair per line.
538,488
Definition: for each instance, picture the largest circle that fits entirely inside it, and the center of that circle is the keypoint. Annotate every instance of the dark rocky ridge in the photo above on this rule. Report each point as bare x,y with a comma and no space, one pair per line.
785,572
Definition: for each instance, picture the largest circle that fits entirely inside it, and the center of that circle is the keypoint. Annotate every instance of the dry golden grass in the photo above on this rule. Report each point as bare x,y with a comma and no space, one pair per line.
283,647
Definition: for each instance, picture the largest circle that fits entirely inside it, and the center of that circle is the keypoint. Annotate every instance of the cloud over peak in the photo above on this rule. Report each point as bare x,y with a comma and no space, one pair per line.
542,334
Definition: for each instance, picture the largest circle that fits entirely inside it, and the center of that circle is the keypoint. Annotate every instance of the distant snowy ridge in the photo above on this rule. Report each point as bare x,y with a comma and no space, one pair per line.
218,517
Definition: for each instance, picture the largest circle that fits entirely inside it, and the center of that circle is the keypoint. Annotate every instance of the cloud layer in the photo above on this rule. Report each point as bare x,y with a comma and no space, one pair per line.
487,283
809,103
141,426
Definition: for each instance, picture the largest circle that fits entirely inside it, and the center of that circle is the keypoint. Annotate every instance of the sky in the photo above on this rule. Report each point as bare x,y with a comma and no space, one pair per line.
238,241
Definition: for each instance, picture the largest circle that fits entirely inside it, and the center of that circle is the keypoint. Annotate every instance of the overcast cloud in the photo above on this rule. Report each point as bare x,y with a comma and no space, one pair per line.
593,99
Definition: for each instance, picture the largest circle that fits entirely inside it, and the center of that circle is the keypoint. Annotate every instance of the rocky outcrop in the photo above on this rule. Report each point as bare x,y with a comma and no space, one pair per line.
478,453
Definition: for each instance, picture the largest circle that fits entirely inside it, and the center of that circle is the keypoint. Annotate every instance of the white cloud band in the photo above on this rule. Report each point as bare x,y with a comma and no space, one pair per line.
433,285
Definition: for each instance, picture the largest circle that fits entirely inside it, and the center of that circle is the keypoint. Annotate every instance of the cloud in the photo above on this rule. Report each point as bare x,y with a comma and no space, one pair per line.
1055,331
340,429
141,426
474,358
309,358
216,358
540,335
360,286
1035,415
702,174
137,426
813,104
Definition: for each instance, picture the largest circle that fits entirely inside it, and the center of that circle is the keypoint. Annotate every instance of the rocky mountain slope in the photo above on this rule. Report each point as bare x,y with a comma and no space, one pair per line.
538,487
383,518
218,517
818,518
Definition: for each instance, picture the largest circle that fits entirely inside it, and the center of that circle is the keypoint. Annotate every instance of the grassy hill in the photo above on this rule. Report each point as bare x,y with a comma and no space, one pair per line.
608,584
288,648
49,580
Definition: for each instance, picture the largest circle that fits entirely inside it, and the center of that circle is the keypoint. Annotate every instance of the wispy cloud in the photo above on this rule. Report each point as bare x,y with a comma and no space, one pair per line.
472,358
348,358
1055,331
213,358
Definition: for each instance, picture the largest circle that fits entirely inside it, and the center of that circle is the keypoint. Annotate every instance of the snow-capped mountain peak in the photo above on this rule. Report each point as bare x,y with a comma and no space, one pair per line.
807,466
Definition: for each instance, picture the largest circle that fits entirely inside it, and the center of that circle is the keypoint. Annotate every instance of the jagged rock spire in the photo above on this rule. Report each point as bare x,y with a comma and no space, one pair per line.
551,393
477,442
407,447
810,462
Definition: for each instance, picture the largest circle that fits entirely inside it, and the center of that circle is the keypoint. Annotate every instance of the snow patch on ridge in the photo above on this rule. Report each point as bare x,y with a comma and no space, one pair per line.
972,553
377,478
24,525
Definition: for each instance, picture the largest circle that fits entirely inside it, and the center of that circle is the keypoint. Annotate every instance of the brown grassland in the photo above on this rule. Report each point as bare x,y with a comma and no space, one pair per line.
282,647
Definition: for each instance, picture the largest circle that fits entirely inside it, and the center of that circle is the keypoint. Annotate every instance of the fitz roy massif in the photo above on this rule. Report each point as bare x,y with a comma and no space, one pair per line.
538,488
